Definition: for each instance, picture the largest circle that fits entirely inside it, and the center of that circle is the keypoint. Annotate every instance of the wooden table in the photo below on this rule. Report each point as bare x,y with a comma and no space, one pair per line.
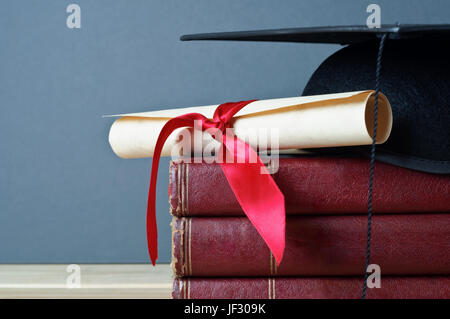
95,281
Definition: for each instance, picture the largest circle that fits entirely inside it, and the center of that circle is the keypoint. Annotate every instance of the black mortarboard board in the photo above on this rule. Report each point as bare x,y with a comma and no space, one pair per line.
415,77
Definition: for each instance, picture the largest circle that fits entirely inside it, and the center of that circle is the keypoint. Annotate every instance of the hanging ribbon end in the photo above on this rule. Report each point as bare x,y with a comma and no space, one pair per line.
153,257
278,252
279,257
277,240
152,244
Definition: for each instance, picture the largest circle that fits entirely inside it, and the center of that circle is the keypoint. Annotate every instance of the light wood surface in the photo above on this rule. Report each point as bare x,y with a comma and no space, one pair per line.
96,281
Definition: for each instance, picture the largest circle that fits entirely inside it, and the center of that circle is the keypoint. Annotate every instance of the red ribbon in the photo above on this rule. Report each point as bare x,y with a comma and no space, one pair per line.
254,188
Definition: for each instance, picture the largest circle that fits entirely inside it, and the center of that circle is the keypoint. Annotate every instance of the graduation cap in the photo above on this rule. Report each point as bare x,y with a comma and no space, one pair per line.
415,77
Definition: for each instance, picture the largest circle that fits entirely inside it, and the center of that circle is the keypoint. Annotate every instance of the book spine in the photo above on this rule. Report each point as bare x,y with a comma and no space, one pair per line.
432,287
415,244
313,186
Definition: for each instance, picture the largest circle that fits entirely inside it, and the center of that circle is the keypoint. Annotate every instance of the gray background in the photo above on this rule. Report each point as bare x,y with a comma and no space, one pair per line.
64,195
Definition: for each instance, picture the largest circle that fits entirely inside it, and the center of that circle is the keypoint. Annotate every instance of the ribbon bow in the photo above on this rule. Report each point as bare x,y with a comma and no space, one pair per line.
251,183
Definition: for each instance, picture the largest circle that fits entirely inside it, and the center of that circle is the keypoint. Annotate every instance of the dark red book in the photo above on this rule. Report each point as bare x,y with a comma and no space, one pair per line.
310,288
313,185
406,244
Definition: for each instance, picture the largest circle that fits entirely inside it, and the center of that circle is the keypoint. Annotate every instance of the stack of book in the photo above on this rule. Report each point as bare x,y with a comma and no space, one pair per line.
217,253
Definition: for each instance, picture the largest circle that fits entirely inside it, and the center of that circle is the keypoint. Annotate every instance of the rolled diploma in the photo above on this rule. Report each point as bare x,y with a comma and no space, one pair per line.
342,119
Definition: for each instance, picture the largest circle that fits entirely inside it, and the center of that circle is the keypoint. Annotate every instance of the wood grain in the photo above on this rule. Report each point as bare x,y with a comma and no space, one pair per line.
97,281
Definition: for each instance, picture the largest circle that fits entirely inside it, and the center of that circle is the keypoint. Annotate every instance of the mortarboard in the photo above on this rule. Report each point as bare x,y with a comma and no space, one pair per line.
415,77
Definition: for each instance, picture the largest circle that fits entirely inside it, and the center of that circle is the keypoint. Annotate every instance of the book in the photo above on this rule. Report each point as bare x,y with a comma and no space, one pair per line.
414,244
313,185
433,287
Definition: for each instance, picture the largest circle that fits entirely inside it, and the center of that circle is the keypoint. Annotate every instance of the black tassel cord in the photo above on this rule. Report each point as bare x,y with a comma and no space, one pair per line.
372,161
